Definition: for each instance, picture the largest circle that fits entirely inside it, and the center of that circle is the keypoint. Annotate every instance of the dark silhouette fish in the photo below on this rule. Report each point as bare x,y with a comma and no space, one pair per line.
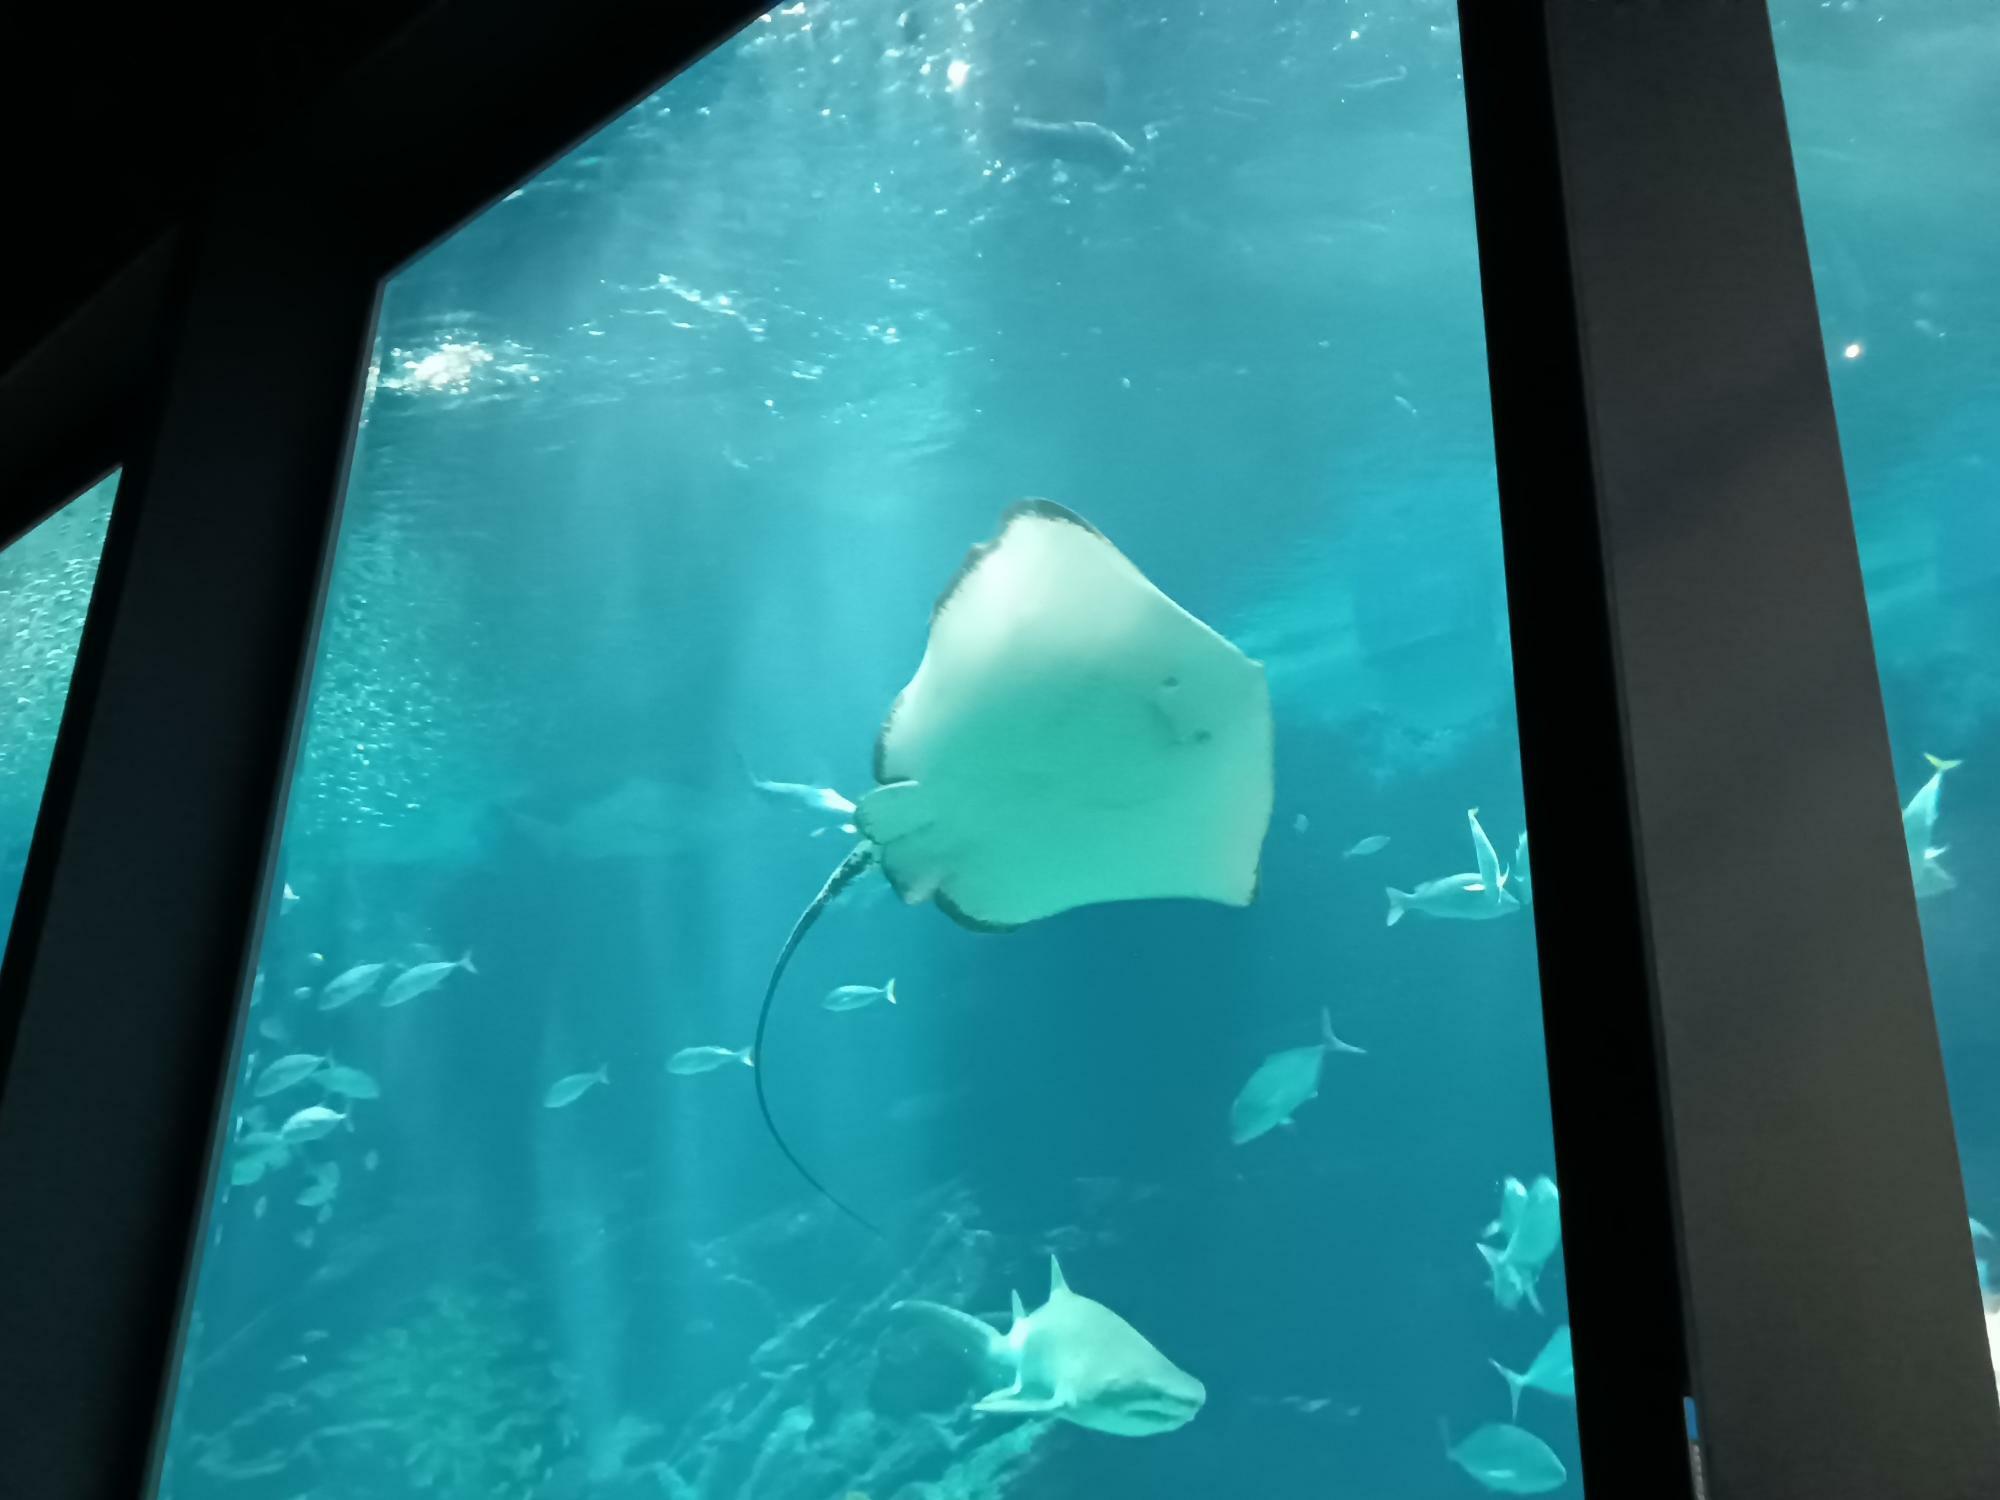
1078,142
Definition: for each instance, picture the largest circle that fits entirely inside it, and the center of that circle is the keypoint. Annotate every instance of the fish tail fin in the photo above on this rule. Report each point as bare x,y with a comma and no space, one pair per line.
747,1057
1514,1384
889,990
1528,1286
1398,904
1444,1435
1942,765
1334,1043
604,1072
1020,1312
975,1336
465,962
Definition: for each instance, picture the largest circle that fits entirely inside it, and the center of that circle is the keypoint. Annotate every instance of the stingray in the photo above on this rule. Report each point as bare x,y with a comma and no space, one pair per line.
1072,736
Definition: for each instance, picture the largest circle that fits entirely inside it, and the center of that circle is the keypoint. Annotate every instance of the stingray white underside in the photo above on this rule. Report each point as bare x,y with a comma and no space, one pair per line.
1071,736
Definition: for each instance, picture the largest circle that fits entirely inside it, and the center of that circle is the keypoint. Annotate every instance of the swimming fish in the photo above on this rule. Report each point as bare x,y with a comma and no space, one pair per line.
293,1068
823,800
1487,859
1553,1370
1508,1460
1080,142
320,1191
1513,1199
1464,898
349,1083
350,985
1072,736
855,996
1516,1267
692,1060
1920,828
424,978
567,1090
1375,843
309,1124
1074,1359
1283,1081
1301,824
256,1152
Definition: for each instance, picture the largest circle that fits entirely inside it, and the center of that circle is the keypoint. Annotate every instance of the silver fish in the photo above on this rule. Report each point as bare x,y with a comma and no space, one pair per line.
349,1083
293,1068
1553,1370
423,979
1508,1460
309,1124
350,985
1465,897
567,1090
1375,843
692,1060
320,1191
858,996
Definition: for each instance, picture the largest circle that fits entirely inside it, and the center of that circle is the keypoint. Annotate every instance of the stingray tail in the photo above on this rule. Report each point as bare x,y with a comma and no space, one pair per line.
858,862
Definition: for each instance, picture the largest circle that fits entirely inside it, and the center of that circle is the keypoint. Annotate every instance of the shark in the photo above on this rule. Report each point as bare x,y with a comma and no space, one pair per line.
1073,1359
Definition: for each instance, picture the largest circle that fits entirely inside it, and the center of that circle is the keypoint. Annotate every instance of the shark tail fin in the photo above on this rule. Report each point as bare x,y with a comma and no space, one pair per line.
1398,903
1942,765
604,1072
889,991
465,962
1528,1286
1056,1282
1514,1384
974,1336
1020,1312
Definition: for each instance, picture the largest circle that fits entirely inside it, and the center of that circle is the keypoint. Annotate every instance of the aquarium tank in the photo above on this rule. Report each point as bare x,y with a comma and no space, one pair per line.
46,576
1007,490
1895,119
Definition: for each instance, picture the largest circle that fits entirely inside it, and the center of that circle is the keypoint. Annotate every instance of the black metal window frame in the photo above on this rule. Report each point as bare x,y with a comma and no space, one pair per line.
1762,1205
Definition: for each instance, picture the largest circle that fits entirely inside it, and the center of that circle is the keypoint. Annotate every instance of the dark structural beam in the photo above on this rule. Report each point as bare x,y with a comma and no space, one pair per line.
141,905
1605,1088
1827,1275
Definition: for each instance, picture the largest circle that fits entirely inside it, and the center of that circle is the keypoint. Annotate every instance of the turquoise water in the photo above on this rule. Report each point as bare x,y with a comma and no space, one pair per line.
664,460
46,578
1895,118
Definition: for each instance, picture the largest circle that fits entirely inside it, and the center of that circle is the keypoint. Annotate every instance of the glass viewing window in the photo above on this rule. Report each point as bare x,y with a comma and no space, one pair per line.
45,583
665,460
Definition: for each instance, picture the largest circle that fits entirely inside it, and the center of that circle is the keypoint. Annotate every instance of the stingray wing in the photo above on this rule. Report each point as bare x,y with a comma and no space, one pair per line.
1071,736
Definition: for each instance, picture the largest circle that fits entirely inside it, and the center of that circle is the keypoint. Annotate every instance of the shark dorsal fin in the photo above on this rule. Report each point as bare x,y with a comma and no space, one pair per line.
1020,1312
1056,1282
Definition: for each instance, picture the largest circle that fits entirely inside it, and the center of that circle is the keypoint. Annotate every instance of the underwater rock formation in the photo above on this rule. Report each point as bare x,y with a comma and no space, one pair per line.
463,1390
845,1399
